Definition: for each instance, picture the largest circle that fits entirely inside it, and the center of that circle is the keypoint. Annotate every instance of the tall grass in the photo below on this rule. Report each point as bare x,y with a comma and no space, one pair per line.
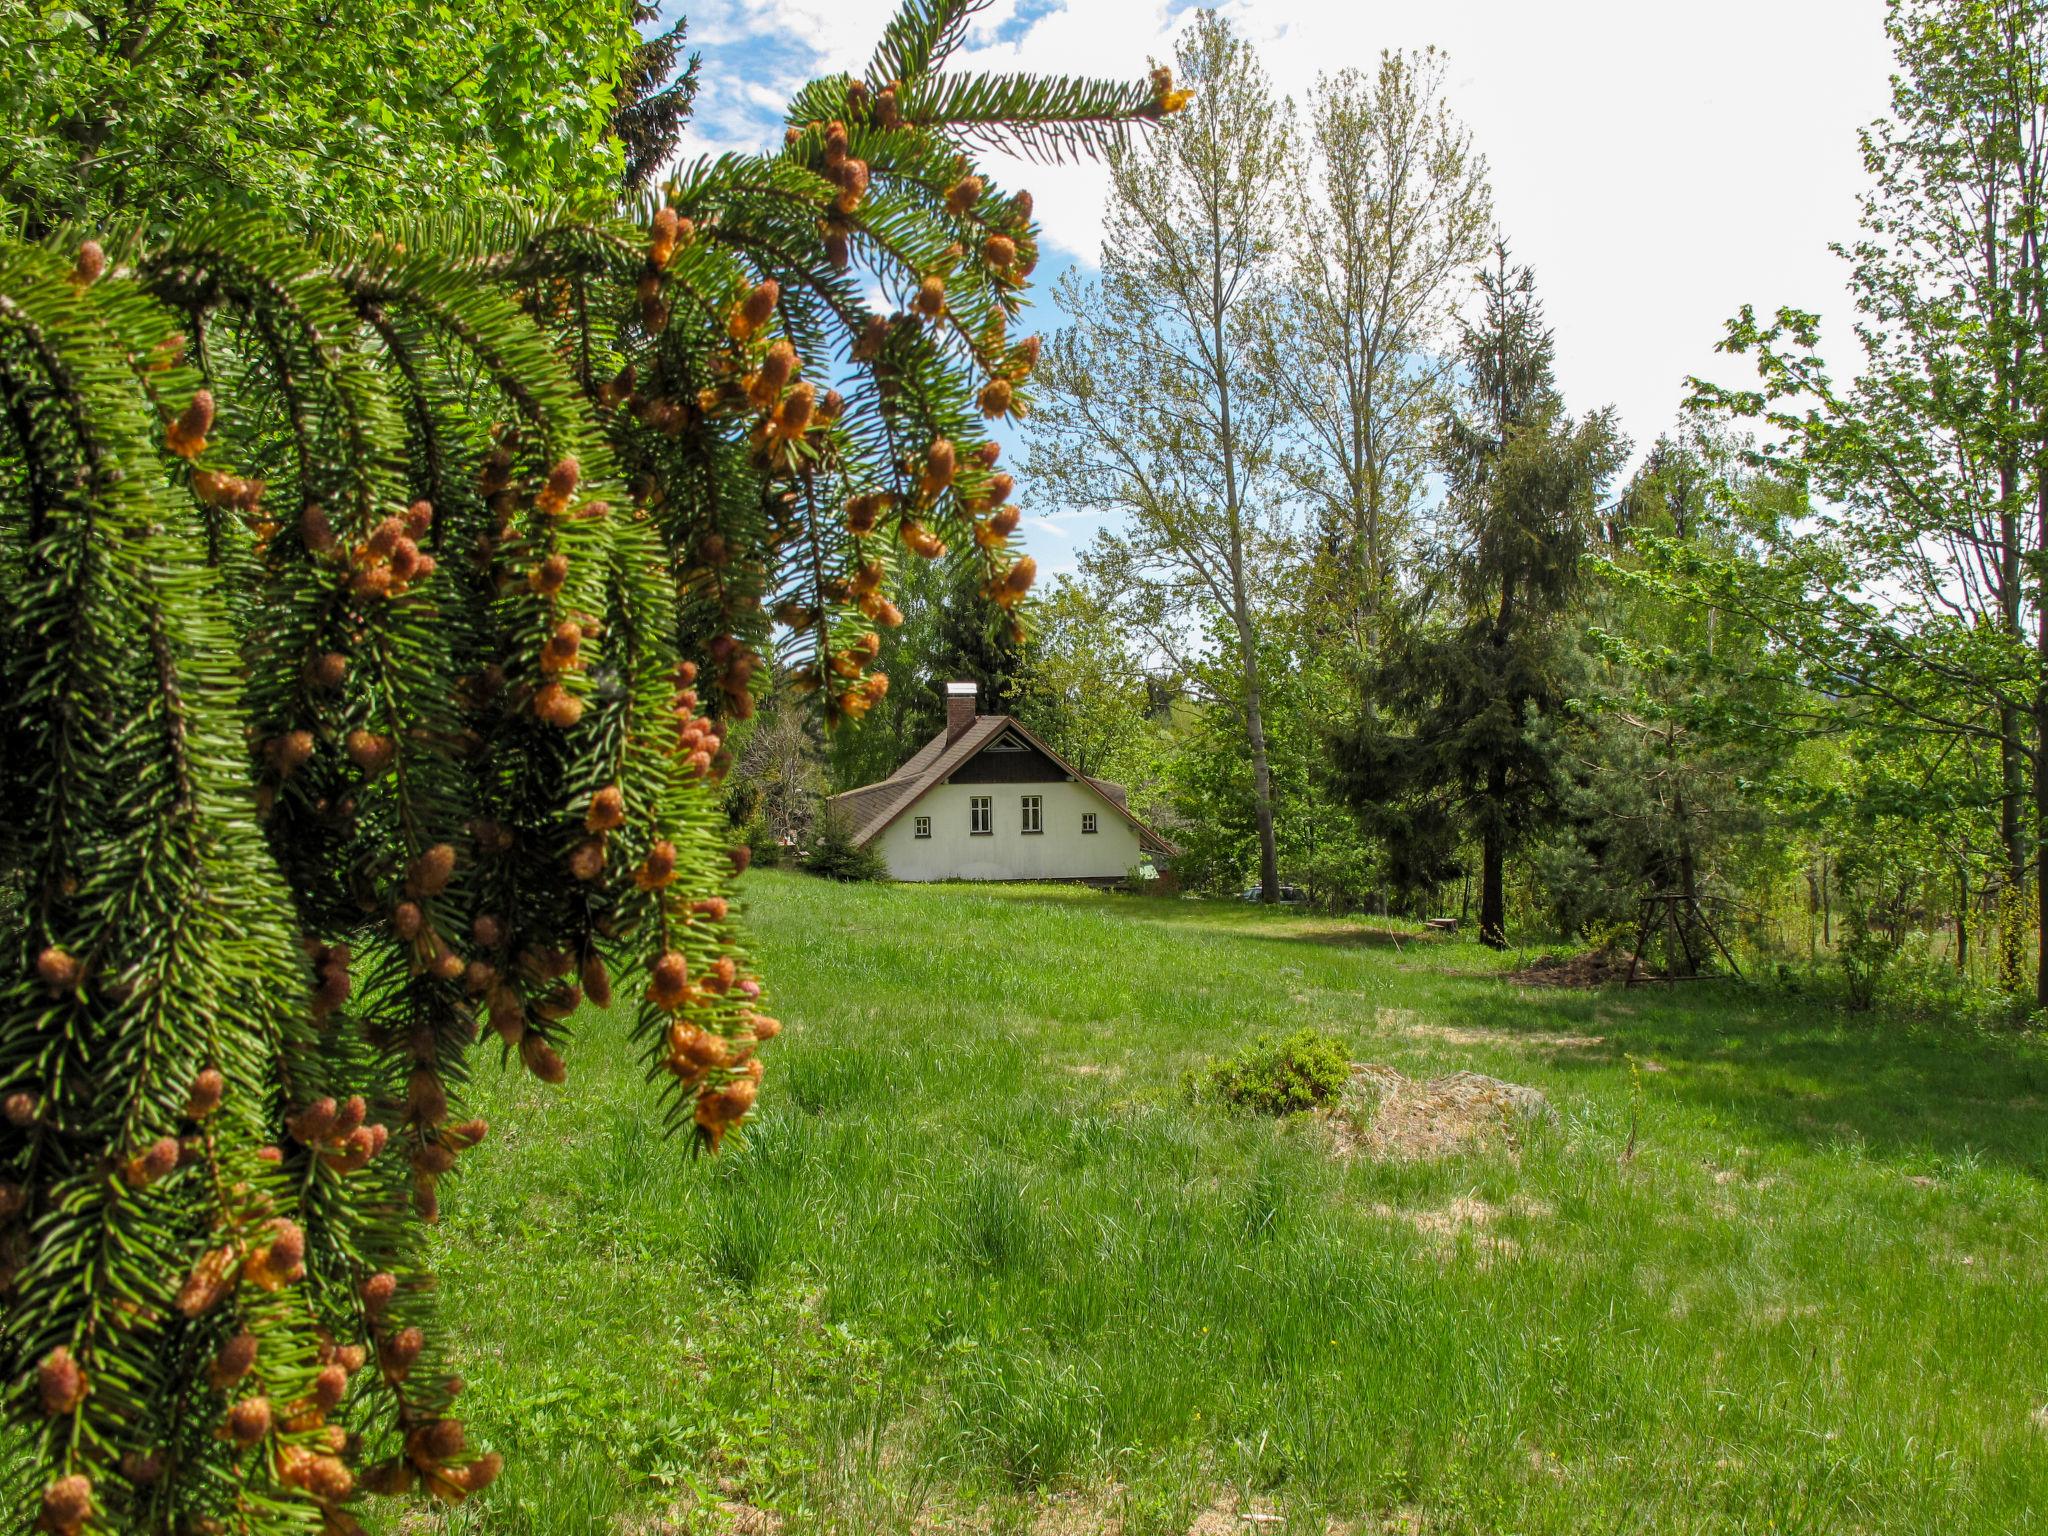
982,1257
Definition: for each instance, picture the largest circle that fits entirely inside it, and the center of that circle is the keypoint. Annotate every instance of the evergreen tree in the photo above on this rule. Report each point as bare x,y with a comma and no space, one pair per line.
1684,725
949,633
1459,741
377,609
654,98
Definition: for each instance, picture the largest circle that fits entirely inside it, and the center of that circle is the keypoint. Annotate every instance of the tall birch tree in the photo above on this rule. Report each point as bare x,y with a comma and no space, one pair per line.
1153,405
1391,209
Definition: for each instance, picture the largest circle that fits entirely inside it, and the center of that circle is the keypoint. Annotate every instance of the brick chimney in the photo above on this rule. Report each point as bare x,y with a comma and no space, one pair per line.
960,699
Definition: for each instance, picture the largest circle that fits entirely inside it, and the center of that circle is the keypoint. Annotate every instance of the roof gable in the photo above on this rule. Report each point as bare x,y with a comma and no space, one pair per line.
1000,743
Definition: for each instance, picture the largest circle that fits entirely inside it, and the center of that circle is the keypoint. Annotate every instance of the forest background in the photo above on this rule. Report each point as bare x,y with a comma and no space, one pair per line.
1371,608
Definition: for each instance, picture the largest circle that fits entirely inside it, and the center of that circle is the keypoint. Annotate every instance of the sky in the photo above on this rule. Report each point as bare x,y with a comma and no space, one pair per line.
1658,164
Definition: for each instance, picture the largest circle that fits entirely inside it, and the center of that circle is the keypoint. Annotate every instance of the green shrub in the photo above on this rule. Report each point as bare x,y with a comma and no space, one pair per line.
1865,953
835,855
1279,1076
764,848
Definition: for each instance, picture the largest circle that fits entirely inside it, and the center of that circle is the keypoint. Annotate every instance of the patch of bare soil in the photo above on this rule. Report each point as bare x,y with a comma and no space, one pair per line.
1408,1022
1584,969
733,1517
1230,1517
1224,1519
1387,1114
1074,1515
1466,1217
1588,968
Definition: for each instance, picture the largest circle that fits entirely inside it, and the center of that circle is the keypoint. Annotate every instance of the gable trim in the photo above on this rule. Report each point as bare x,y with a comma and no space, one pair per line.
1147,838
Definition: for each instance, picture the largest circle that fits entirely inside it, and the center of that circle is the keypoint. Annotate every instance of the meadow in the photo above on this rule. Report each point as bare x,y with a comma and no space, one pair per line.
982,1265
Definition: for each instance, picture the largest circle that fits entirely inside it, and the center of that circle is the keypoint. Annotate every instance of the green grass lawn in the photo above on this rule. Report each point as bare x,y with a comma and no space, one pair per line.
981,1265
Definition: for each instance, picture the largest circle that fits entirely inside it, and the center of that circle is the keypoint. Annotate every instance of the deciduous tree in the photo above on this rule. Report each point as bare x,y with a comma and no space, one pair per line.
1153,404
1390,210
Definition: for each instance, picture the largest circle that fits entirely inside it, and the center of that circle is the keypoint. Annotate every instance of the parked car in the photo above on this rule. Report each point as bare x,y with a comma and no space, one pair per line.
1287,893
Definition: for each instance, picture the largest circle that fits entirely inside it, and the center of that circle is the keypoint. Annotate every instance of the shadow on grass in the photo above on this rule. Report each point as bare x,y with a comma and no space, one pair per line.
1357,938
1246,920
1795,1068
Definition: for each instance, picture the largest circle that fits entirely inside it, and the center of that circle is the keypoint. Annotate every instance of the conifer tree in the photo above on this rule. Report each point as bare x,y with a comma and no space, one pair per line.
375,613
655,94
1457,744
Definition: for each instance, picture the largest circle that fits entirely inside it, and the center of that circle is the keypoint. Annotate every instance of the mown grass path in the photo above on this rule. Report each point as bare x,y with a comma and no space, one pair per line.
982,1266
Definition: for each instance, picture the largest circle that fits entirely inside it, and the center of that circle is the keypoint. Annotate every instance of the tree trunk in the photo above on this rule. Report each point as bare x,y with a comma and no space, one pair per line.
1688,877
1247,637
1262,778
2040,766
2012,792
2040,754
1493,906
1962,919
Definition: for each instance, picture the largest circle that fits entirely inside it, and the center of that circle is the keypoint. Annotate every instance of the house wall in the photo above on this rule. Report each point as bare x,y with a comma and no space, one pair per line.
1061,852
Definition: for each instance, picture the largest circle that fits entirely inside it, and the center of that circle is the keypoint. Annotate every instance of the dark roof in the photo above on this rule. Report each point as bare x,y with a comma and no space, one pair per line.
873,806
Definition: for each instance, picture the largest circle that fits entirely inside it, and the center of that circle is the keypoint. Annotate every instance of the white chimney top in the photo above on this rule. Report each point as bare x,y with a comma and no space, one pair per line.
961,699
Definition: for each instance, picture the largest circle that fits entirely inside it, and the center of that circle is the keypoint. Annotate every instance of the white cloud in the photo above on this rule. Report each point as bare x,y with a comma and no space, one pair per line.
1658,164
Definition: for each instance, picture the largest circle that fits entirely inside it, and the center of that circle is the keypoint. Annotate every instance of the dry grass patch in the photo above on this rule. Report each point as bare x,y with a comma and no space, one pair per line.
1406,1021
1467,1218
1387,1114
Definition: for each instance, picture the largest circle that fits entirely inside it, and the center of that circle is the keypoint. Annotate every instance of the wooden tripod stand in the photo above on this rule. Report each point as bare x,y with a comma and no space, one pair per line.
1671,908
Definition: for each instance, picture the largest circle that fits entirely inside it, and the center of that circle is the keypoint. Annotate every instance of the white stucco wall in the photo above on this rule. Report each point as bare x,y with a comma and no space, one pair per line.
1061,852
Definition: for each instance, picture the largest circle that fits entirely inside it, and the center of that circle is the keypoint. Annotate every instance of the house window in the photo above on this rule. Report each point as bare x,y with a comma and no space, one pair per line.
924,827
1087,821
1034,813
981,816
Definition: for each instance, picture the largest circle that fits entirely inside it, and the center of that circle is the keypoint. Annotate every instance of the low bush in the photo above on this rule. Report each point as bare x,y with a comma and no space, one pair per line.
1278,1076
764,849
1865,953
835,855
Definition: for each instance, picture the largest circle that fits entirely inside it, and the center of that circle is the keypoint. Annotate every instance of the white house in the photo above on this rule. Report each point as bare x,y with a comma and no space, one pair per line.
986,799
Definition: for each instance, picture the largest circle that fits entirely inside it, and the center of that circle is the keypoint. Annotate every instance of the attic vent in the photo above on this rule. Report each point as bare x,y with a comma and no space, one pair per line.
1007,744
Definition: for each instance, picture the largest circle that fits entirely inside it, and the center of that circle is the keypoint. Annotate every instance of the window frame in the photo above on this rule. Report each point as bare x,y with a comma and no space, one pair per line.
1090,824
981,815
1031,810
921,826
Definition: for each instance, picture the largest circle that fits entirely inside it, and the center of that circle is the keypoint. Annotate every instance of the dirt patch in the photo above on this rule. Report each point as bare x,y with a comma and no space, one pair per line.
732,1517
1222,1519
1229,1517
1467,1217
1407,1021
1387,1114
1073,1515
1588,968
